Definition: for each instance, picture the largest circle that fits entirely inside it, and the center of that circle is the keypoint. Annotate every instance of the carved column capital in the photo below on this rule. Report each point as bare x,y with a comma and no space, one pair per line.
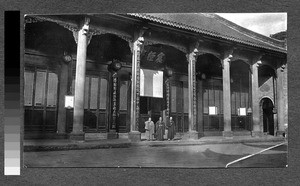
226,55
85,25
89,37
139,41
84,29
256,58
256,62
192,56
282,68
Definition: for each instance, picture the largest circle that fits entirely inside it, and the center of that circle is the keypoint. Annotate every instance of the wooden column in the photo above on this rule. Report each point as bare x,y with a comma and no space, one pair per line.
285,94
192,133
257,128
200,107
134,134
167,83
168,75
63,90
115,66
77,132
280,100
227,95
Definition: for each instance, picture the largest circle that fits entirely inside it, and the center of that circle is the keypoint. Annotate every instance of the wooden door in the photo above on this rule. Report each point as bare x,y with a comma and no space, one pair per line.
96,103
179,105
40,100
213,97
124,106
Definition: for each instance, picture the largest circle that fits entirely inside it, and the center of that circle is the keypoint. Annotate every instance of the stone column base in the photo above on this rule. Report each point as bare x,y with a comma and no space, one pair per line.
257,134
280,133
112,134
61,136
191,135
95,136
200,134
76,136
227,134
134,136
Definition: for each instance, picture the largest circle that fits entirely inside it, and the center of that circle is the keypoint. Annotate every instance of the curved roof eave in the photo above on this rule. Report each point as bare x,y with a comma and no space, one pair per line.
206,32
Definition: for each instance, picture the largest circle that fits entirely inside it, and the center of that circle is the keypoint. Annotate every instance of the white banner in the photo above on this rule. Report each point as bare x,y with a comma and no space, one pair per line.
69,101
151,83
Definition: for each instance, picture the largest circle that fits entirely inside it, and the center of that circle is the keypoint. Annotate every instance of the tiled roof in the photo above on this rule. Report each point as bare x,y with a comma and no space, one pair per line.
216,26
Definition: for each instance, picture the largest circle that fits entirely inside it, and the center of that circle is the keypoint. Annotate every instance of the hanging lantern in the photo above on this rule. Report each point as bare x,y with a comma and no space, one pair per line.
67,58
115,66
169,72
249,110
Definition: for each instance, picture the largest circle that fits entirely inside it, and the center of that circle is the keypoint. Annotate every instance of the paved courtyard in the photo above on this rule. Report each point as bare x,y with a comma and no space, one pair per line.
189,156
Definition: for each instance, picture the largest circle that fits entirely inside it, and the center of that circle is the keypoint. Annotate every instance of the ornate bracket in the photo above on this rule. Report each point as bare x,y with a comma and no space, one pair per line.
193,55
282,67
29,19
34,19
89,37
85,28
226,56
256,60
139,39
101,31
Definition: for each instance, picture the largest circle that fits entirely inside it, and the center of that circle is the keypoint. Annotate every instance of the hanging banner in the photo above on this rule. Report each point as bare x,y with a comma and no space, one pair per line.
151,83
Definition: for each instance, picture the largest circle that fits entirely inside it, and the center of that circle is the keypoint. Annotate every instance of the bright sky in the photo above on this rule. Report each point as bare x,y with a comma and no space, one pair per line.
263,23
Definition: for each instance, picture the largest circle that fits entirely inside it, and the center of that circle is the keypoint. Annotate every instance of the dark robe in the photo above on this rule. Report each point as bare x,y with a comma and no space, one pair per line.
171,129
160,130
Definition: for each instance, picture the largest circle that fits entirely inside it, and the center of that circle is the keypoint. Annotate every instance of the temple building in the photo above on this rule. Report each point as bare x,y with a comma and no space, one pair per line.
101,76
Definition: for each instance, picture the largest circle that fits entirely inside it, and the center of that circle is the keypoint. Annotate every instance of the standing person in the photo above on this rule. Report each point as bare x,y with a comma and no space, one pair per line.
171,129
160,129
149,127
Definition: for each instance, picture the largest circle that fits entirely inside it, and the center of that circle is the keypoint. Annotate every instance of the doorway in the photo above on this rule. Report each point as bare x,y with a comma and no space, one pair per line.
150,107
267,116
